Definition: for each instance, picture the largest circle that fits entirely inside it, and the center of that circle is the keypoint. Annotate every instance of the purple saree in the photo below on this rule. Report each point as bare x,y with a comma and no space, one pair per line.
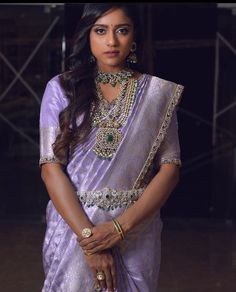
106,187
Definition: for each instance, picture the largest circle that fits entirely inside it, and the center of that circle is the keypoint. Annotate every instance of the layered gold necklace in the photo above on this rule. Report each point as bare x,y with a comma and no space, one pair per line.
109,119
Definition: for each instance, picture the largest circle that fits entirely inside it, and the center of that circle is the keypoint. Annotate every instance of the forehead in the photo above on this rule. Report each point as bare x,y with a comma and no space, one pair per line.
114,17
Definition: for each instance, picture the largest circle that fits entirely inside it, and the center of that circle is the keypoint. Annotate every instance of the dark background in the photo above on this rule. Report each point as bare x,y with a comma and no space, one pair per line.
183,41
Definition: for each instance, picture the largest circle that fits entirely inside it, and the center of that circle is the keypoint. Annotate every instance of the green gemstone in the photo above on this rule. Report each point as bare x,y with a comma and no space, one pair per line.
110,138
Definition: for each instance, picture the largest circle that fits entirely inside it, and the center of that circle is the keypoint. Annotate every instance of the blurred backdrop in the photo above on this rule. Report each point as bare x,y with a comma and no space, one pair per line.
192,44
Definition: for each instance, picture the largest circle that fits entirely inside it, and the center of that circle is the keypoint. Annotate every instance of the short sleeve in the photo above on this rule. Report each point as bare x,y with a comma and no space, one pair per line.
169,151
53,102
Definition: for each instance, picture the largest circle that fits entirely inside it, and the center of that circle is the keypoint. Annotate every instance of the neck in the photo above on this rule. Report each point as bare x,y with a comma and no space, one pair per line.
111,69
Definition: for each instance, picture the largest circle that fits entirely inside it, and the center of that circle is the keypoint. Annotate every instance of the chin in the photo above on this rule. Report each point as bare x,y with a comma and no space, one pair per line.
115,64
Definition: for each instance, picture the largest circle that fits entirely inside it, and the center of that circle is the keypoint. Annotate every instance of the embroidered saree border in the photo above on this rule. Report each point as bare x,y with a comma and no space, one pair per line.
160,136
176,161
47,138
48,160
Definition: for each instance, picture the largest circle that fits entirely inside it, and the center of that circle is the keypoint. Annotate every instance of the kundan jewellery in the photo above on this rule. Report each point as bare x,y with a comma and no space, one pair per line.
113,77
109,120
86,232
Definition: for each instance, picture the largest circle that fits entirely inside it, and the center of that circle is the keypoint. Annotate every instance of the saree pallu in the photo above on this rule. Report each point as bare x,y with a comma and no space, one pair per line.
107,187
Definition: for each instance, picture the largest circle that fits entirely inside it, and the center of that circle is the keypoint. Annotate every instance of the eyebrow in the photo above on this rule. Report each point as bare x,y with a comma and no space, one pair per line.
117,25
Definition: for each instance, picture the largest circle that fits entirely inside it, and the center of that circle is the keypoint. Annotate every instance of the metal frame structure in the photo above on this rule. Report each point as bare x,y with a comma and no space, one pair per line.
18,74
216,113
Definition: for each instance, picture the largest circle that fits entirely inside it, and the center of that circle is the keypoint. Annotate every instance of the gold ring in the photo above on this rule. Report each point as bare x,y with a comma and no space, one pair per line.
87,253
86,232
97,288
100,276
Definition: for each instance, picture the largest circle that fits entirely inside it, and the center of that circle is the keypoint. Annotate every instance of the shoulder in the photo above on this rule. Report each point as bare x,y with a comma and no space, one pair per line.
167,88
54,90
55,82
54,87
164,92
164,82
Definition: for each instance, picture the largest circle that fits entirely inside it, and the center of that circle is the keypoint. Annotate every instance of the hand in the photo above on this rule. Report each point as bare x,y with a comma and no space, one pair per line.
103,262
103,236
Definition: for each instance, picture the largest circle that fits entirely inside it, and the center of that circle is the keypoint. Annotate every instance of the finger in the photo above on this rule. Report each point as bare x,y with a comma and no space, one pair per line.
97,286
96,249
90,245
113,274
86,241
102,283
109,281
87,253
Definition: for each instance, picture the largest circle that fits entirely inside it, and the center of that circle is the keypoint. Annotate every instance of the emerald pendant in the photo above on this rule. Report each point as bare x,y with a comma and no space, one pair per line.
107,142
109,138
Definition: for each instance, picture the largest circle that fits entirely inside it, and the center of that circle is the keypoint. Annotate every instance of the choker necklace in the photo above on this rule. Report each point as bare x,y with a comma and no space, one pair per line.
113,77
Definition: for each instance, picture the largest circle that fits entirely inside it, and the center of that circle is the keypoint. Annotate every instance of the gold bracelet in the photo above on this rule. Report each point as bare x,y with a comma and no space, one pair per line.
118,228
118,231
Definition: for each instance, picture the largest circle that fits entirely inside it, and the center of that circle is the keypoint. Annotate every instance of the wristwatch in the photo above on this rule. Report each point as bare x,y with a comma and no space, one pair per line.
86,232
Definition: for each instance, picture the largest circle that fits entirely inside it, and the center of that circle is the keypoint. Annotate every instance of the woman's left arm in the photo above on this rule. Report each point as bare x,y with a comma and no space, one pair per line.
153,198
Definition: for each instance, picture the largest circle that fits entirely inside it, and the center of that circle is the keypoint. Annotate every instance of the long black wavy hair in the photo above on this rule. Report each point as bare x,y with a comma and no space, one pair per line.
78,81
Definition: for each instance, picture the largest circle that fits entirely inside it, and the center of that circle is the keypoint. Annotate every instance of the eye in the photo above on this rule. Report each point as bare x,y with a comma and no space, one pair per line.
100,30
123,30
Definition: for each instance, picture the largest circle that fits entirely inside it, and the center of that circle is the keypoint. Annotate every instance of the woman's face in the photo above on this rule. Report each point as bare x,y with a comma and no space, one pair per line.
111,39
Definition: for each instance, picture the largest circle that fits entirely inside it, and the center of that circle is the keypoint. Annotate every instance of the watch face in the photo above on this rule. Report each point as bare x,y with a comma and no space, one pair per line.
86,232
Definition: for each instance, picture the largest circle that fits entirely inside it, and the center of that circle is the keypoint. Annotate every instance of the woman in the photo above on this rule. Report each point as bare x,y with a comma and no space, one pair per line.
110,158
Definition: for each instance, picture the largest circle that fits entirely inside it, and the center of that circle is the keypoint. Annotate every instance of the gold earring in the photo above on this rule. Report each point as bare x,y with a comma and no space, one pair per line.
132,58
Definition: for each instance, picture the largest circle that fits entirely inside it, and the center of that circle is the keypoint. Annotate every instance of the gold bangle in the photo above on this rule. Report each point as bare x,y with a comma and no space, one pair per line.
118,228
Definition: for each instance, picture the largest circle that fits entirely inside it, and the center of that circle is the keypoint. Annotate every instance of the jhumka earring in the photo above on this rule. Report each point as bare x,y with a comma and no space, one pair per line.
91,59
132,58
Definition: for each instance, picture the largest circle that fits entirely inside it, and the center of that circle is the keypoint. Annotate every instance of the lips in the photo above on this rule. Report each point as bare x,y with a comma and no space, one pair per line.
111,53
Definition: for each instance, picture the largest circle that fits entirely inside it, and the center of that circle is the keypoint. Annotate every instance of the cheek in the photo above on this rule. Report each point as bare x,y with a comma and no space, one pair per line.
95,44
127,45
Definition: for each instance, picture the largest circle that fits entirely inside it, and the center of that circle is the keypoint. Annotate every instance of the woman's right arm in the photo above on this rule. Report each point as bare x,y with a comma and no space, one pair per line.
65,201
64,197
59,186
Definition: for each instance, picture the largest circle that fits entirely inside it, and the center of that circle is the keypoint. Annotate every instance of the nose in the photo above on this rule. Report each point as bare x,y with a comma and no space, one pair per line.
111,39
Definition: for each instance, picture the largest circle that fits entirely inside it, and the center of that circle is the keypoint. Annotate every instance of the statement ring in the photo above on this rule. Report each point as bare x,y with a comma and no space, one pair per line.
100,276
97,288
86,232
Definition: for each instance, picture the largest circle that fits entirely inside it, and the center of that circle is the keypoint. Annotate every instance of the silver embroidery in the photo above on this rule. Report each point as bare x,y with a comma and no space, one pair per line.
48,159
171,160
47,138
160,136
109,199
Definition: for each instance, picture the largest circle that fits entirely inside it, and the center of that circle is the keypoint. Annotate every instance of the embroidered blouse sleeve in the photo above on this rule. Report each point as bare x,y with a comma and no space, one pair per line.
52,104
169,151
